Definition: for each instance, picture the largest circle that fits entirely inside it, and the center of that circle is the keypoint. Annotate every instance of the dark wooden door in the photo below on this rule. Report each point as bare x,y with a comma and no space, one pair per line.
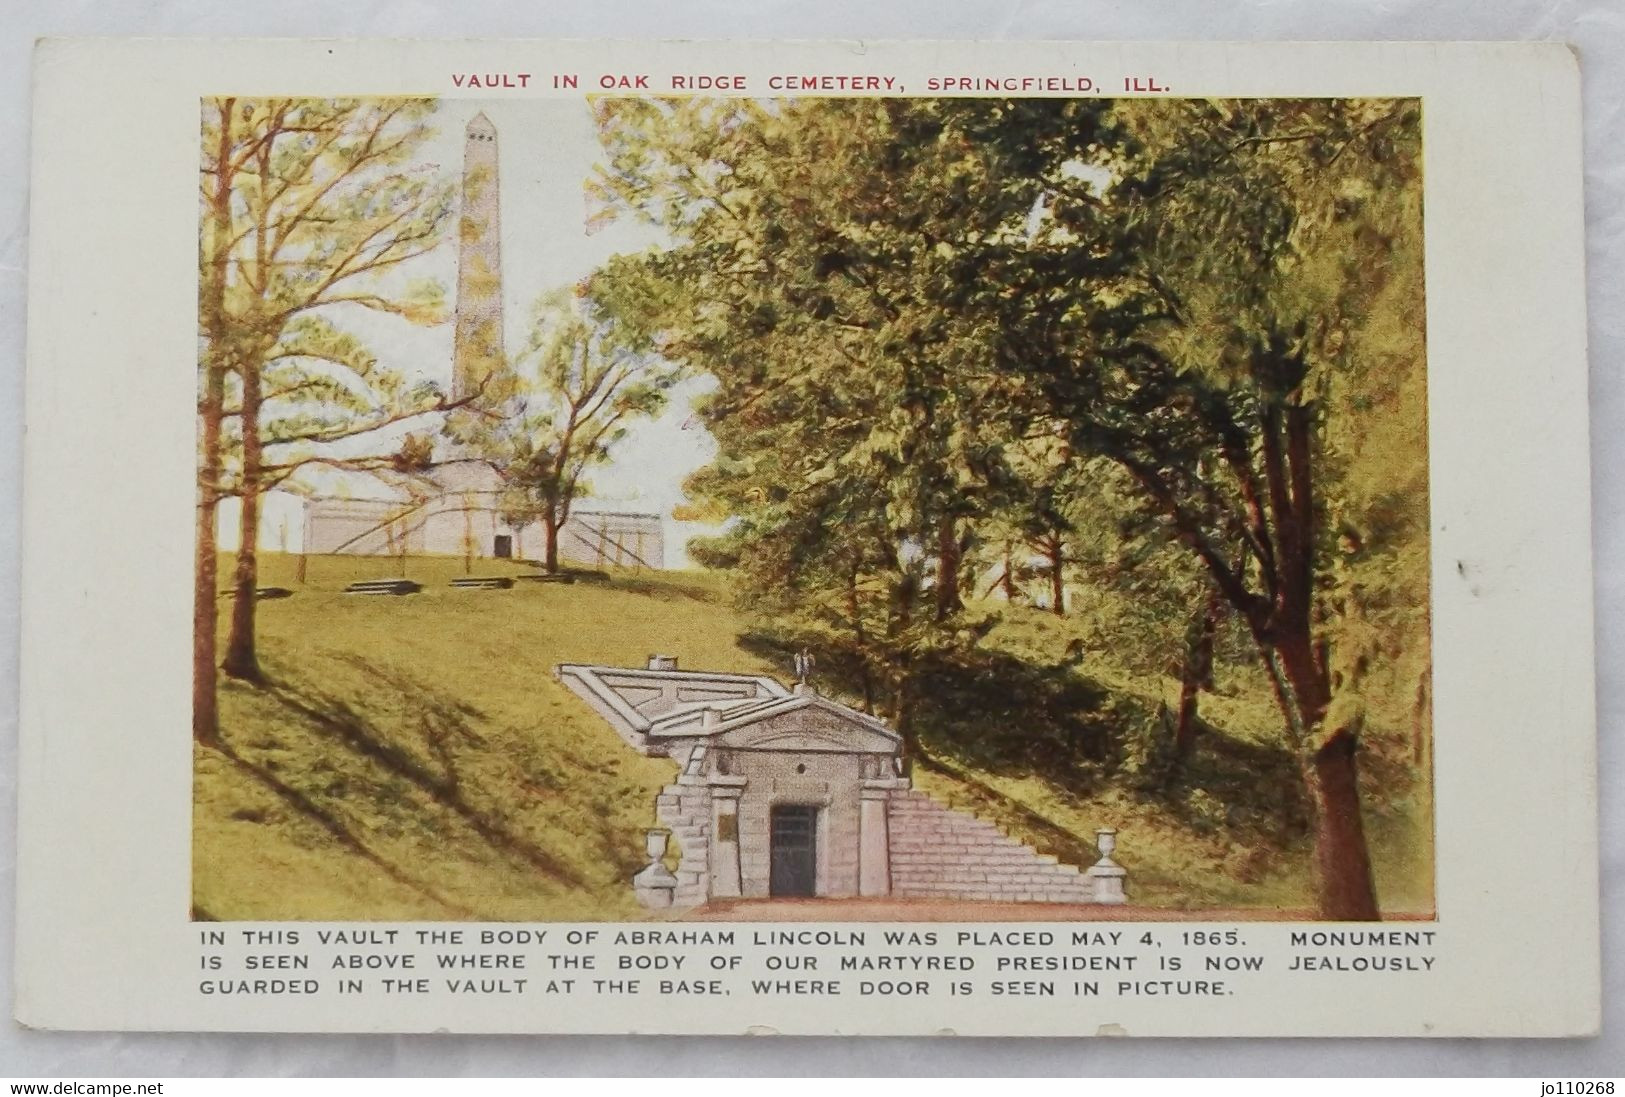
793,852
503,548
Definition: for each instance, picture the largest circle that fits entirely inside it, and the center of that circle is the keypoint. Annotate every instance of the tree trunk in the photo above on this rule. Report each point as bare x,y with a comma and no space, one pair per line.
1197,673
854,613
902,716
1282,627
1420,712
205,604
1342,861
1343,878
1008,579
242,659
1185,719
904,594
211,410
550,532
1055,550
949,601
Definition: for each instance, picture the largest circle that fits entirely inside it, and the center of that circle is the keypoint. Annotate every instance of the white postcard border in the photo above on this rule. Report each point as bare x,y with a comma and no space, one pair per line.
103,940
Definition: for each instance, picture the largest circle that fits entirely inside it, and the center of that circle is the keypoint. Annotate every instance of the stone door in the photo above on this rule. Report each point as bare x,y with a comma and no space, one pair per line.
793,851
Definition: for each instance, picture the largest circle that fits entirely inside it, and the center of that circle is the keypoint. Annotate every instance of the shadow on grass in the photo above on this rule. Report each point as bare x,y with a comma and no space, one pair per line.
334,826
985,711
1000,714
622,859
444,723
1004,714
1250,790
665,587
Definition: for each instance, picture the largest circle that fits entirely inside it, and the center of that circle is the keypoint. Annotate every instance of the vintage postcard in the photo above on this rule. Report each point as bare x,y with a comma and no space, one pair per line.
1041,539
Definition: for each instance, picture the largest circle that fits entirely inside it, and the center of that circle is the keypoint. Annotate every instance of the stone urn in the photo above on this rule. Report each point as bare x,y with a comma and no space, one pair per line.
1106,877
654,883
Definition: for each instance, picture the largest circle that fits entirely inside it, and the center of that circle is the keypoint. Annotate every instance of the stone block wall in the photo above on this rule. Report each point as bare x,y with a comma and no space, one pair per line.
939,853
829,780
685,810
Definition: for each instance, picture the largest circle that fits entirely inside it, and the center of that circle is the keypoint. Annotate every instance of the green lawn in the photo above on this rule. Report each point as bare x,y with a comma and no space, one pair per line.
1227,830
413,758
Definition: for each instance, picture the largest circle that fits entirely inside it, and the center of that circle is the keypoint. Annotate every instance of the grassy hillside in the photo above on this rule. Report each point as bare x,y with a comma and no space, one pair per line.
1227,829
413,758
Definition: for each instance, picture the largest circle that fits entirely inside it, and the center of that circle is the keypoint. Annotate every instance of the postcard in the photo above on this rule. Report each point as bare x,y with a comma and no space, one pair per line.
866,538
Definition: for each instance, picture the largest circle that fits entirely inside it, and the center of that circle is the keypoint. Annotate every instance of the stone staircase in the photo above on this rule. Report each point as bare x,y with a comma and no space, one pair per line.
939,853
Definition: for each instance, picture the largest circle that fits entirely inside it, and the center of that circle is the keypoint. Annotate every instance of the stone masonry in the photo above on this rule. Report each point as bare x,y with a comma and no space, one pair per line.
755,754
685,810
936,852
939,853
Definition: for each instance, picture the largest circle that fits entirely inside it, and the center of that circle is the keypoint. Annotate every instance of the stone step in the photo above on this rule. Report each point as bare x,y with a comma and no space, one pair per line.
909,826
977,889
974,857
967,837
980,872
939,852
944,875
989,846
919,808
383,586
1018,884
934,824
997,850
993,894
953,887
906,826
982,863
990,854
1006,868
483,582
967,842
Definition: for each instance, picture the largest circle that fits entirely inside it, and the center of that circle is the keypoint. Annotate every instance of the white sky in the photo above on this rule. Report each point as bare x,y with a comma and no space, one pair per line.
547,149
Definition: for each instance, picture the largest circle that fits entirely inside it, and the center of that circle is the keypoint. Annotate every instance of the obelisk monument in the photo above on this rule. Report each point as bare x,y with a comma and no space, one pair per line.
477,352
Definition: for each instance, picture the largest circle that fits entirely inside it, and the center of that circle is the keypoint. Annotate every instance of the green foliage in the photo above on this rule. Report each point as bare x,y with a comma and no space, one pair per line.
1146,339
313,208
1149,350
819,280
394,767
585,376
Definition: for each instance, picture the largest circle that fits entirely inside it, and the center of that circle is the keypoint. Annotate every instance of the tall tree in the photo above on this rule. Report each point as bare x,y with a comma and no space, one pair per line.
1264,251
816,277
220,158
1209,295
314,207
583,380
